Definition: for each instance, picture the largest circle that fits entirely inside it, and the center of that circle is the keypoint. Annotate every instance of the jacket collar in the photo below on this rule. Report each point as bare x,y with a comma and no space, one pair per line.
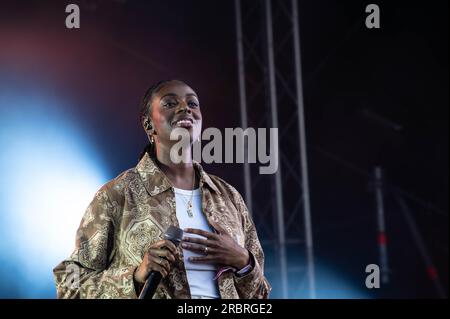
156,182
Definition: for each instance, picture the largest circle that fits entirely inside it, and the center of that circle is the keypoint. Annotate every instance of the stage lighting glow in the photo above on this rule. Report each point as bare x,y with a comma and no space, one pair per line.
330,282
49,175
332,285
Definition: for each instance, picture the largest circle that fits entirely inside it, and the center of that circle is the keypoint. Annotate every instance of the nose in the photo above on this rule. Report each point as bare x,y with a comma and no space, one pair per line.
183,107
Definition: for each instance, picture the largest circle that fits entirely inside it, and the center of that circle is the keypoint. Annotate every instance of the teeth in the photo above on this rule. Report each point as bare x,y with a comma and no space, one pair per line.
183,122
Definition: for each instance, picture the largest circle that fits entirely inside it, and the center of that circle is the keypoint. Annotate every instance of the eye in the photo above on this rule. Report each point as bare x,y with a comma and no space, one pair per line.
169,103
193,104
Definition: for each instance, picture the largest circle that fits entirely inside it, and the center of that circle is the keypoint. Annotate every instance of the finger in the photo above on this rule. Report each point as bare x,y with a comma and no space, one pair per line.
195,248
171,246
204,260
161,262
165,243
200,232
161,270
162,253
195,240
157,245
153,266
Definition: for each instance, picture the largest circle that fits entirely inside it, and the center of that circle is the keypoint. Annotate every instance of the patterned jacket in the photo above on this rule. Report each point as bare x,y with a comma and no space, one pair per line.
131,212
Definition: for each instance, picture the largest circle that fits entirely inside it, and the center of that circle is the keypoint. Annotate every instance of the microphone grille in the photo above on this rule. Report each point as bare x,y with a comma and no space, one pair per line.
174,234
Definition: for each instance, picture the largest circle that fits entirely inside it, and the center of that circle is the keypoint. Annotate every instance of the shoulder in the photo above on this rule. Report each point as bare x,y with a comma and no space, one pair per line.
114,190
230,193
109,200
228,190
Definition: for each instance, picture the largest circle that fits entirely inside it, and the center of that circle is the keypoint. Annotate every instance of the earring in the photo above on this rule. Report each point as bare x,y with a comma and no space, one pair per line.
149,127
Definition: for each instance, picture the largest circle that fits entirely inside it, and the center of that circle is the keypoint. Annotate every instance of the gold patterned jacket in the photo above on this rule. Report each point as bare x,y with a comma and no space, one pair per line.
131,212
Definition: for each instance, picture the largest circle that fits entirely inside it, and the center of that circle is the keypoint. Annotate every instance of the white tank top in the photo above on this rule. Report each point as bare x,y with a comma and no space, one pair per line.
200,276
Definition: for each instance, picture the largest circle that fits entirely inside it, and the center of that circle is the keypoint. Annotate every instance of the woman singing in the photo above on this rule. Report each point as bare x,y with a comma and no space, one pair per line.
119,241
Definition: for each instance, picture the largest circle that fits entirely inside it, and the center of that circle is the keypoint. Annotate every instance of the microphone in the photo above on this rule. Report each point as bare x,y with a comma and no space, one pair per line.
174,234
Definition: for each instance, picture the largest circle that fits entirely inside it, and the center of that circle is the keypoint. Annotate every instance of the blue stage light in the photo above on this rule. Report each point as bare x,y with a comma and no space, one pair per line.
49,174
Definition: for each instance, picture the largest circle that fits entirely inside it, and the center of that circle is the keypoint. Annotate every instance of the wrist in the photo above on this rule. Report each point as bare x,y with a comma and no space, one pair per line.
137,278
247,268
137,284
244,261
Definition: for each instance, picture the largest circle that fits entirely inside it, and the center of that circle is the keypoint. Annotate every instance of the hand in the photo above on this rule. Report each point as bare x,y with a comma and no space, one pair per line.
217,248
159,257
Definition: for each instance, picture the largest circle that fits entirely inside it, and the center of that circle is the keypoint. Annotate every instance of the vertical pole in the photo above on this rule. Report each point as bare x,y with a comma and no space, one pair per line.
243,103
278,185
303,154
382,238
430,268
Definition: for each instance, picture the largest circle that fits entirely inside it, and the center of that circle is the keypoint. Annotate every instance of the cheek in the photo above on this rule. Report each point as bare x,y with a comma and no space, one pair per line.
161,123
198,126
198,115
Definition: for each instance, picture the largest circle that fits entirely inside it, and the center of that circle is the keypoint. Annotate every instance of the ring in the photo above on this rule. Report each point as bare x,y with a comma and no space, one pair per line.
160,260
205,251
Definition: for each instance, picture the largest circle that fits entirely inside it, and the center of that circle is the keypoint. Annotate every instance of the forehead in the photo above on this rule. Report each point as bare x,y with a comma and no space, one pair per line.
175,88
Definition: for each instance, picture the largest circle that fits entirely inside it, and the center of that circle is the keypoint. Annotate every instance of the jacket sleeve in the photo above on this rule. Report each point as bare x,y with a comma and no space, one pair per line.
253,285
88,272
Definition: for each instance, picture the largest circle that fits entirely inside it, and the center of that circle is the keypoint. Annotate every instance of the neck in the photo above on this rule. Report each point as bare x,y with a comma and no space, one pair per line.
181,175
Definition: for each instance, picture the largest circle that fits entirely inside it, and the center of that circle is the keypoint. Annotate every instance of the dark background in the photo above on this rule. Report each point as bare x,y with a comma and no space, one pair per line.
372,97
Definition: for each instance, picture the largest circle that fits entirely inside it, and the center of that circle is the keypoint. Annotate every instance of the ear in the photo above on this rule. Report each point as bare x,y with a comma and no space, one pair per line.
148,126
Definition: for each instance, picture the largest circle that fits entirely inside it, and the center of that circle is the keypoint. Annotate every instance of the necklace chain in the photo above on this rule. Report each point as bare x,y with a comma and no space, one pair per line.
189,206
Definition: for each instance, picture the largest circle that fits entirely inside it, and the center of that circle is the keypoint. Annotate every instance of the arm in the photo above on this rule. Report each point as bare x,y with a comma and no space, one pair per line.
254,284
87,273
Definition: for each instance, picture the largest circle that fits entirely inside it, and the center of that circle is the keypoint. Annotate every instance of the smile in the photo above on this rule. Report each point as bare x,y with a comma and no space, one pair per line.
183,123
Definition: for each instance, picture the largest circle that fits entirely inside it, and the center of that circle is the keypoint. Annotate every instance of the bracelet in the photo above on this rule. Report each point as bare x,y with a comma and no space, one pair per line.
244,271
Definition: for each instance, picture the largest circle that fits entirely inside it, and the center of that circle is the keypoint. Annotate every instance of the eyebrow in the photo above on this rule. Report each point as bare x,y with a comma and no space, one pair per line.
175,95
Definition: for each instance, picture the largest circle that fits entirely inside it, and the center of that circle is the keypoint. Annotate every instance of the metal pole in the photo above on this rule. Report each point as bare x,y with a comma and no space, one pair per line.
303,154
382,238
278,185
243,104
430,268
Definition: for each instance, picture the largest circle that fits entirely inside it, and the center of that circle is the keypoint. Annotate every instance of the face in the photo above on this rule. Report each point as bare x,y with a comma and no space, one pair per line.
175,105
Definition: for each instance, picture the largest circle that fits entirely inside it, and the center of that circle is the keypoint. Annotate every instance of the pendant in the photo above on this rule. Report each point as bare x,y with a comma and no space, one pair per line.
189,209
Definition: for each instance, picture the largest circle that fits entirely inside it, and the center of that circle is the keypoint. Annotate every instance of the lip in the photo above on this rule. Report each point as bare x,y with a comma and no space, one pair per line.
183,122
